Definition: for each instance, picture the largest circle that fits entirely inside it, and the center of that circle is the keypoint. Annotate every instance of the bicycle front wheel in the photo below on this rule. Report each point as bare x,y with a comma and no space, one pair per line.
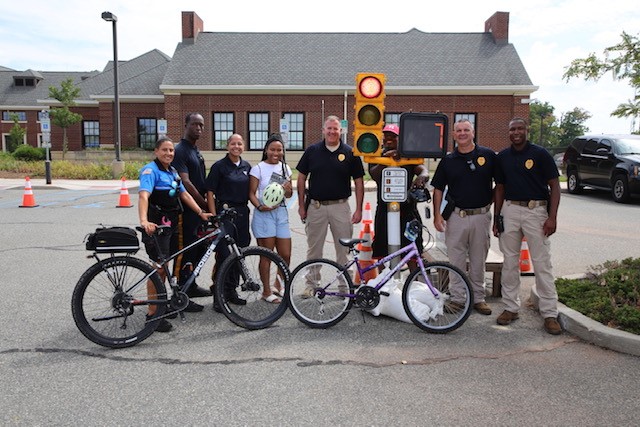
109,302
317,293
443,312
249,276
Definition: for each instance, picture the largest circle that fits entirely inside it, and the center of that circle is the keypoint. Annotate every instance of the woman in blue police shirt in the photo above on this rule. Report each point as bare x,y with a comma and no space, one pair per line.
160,199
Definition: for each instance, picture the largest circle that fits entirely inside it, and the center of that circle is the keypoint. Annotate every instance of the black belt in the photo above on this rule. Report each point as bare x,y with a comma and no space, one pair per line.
317,203
528,203
477,211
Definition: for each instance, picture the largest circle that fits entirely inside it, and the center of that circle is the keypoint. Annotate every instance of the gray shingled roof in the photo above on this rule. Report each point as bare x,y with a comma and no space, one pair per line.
28,95
411,59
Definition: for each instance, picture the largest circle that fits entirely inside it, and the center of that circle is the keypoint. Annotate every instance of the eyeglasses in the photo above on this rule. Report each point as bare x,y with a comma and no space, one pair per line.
174,187
472,165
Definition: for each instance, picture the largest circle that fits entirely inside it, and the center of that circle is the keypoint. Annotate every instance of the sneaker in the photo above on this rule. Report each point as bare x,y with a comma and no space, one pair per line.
552,326
163,325
482,308
193,307
507,317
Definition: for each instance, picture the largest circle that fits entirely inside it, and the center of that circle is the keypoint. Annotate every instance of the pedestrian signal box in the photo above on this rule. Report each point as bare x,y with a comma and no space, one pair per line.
423,135
369,114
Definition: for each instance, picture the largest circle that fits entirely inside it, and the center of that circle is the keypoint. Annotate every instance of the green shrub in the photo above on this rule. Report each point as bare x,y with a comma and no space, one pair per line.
610,294
29,153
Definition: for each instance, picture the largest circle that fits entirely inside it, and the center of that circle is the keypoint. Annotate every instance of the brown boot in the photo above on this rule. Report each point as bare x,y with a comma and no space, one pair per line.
482,308
552,326
507,317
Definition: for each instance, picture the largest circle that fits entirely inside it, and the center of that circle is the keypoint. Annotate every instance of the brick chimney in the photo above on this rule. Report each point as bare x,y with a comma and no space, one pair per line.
191,26
498,26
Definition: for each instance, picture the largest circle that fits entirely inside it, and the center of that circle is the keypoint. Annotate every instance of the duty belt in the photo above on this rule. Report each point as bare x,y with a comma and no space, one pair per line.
529,203
477,211
317,203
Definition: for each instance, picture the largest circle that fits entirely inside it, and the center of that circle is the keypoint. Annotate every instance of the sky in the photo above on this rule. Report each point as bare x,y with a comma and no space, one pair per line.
69,35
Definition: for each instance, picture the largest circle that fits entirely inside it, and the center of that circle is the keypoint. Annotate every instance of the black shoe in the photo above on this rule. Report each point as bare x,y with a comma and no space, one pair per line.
163,325
235,299
193,307
197,292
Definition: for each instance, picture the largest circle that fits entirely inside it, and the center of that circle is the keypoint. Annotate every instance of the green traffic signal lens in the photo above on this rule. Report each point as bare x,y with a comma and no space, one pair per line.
368,143
369,115
370,87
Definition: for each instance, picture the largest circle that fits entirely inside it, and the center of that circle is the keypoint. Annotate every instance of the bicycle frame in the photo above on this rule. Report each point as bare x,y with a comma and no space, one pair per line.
409,251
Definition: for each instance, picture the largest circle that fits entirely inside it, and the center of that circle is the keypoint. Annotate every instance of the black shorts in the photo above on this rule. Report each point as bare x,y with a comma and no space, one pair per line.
168,240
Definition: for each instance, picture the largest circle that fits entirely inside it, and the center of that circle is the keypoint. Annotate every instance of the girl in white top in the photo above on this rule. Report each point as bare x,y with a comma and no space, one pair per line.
270,225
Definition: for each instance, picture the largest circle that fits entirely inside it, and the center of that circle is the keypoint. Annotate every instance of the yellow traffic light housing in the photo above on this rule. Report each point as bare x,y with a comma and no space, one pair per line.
369,114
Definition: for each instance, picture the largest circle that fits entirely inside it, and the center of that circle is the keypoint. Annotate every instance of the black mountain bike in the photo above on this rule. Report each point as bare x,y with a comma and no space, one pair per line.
109,302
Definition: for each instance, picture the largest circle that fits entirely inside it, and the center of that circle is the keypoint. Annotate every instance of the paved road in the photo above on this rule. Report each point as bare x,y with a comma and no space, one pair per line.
364,371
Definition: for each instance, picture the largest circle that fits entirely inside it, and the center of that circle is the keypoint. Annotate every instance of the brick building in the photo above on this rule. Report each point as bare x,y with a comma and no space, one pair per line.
249,82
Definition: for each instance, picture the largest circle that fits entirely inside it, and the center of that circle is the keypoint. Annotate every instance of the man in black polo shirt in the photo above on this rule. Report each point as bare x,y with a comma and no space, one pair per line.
330,166
190,165
526,198
468,173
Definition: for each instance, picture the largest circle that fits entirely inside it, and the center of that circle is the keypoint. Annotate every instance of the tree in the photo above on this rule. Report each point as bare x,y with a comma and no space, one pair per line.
623,61
542,129
16,134
571,125
63,116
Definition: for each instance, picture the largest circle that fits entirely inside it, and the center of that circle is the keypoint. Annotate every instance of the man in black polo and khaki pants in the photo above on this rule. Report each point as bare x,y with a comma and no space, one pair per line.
330,166
527,198
468,173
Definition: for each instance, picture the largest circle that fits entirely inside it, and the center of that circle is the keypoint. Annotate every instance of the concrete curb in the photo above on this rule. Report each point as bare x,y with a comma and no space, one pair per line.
591,331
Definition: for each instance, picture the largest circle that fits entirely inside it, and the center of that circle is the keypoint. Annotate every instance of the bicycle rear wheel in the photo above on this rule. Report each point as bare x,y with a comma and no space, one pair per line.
444,312
307,293
109,301
245,275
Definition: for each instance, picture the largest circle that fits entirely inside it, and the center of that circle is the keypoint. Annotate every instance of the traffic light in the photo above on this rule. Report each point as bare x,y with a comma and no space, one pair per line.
423,135
369,114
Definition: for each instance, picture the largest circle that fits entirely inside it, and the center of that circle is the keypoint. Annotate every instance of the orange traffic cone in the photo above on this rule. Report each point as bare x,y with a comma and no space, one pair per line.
366,252
526,266
28,201
125,202
366,215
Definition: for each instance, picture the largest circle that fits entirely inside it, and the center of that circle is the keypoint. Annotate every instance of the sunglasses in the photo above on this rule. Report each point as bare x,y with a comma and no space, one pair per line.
174,187
472,165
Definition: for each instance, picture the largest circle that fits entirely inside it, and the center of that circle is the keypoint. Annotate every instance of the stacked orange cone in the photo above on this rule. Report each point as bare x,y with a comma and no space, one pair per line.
366,251
28,200
526,265
124,202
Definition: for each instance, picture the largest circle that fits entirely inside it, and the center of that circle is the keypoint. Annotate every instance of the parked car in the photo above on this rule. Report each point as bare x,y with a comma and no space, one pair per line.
609,162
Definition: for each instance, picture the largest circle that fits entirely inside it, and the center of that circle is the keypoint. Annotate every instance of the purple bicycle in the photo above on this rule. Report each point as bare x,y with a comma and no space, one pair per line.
437,296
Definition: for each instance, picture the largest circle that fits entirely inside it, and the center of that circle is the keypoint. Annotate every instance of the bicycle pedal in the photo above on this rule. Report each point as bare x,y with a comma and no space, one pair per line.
386,294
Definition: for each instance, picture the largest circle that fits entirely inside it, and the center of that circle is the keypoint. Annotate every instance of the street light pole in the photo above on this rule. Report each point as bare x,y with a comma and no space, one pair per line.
118,166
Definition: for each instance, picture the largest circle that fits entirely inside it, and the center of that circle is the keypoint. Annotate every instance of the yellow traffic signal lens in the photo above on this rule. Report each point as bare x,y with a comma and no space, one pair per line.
369,115
370,87
367,143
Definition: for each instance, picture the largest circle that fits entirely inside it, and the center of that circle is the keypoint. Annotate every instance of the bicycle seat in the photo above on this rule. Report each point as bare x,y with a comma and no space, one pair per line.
351,242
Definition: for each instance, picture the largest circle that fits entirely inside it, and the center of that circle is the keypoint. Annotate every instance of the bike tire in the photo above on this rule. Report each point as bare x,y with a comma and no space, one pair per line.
306,293
441,314
101,302
249,286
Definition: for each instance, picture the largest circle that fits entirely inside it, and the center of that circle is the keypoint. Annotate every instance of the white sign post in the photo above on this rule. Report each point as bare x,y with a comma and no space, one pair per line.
45,128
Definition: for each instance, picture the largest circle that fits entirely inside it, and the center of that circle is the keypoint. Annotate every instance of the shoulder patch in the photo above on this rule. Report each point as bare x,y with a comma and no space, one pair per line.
146,171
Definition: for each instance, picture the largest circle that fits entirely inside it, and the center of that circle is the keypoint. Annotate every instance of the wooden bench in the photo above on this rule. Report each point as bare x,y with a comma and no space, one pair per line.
492,265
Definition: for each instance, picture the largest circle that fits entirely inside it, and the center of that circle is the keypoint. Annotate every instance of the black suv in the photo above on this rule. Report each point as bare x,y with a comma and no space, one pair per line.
608,162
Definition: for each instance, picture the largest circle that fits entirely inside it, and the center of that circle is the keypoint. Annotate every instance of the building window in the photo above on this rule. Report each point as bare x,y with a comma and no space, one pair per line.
391,118
6,116
258,130
295,137
91,134
147,133
222,129
6,144
24,81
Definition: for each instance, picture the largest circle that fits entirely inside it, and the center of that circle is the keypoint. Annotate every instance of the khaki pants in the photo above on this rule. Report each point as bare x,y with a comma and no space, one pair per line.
338,218
521,221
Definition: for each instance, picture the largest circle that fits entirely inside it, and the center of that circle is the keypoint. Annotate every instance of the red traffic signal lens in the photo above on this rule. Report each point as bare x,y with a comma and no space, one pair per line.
370,87
369,115
367,143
